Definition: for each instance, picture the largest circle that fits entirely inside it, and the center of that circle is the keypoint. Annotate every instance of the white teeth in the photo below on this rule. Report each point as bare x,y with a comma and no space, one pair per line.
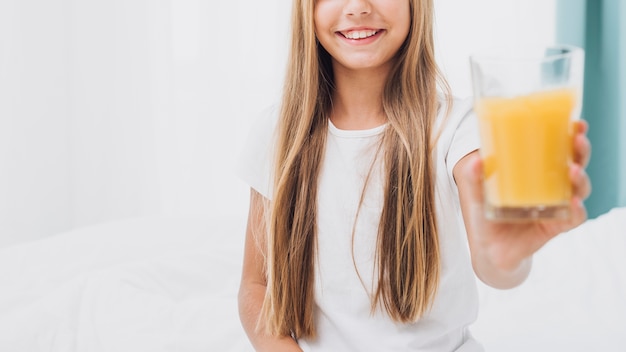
359,34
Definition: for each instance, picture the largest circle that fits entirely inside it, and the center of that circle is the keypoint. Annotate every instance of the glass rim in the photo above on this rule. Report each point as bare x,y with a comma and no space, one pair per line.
526,54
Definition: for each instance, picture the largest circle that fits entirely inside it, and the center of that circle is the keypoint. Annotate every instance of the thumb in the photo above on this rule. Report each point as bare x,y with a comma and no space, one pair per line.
474,176
470,186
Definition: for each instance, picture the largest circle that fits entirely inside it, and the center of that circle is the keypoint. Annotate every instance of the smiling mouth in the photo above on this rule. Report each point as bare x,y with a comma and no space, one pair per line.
362,34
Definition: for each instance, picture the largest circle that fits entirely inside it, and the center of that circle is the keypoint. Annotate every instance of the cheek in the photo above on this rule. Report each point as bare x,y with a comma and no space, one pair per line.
404,25
321,15
322,25
403,14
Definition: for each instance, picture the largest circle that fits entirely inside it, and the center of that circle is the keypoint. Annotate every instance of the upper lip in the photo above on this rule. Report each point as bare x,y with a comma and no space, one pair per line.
353,29
345,31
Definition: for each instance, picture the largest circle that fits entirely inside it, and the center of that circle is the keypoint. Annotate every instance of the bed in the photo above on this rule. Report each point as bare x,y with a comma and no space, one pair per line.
170,284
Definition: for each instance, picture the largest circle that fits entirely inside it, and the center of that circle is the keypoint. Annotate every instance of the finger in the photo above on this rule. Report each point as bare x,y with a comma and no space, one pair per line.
578,212
582,146
581,183
474,173
582,126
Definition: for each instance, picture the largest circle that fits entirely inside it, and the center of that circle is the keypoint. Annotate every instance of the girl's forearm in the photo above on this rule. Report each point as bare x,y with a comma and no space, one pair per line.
498,276
250,301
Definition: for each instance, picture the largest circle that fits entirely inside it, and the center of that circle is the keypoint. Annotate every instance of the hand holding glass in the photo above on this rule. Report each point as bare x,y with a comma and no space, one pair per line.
526,104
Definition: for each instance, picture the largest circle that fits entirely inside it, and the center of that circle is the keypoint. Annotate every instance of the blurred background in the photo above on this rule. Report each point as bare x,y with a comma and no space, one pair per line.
130,108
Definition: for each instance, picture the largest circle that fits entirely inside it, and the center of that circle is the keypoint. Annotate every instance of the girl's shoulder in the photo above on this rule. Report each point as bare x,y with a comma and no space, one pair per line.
454,111
458,132
454,107
254,162
265,120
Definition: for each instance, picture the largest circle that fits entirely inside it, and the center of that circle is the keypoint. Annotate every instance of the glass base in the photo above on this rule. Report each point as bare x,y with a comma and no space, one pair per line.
532,213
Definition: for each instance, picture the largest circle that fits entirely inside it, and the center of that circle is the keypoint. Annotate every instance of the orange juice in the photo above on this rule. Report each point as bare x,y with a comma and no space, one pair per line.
526,145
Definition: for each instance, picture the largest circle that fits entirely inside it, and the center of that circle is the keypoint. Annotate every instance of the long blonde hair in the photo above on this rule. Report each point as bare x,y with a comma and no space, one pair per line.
408,261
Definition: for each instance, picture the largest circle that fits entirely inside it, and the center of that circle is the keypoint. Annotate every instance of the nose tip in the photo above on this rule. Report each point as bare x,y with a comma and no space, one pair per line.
357,7
357,13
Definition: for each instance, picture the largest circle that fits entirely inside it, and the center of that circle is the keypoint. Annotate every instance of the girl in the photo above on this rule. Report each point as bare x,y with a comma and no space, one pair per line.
366,216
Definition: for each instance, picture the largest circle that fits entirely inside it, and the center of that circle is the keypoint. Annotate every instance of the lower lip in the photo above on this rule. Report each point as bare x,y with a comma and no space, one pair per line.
363,41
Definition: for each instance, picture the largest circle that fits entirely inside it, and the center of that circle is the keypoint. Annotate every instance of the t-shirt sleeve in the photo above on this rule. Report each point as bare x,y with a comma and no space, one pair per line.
254,165
466,134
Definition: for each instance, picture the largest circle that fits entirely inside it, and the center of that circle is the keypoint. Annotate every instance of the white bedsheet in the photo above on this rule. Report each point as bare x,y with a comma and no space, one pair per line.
574,299
170,285
137,285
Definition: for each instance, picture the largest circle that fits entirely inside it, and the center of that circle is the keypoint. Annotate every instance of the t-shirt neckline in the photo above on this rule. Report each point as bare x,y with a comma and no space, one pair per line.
355,133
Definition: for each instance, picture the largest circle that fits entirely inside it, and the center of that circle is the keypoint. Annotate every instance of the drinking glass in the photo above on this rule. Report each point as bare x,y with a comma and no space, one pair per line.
526,101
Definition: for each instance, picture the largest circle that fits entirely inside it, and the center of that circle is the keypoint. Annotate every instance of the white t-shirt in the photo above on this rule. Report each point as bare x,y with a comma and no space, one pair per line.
344,319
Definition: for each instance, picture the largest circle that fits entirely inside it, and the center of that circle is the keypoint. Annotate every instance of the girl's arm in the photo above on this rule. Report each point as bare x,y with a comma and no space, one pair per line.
253,282
502,252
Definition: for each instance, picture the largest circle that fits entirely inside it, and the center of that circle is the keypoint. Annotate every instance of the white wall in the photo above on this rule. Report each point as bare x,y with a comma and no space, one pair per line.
123,108
464,27
34,109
